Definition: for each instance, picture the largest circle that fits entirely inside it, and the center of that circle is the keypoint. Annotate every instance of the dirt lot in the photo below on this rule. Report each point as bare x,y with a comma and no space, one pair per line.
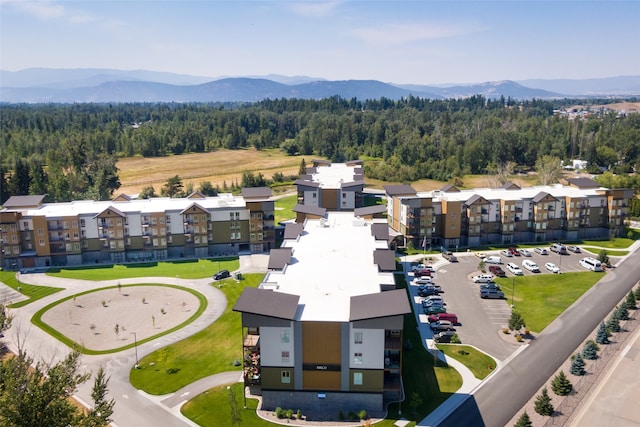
87,321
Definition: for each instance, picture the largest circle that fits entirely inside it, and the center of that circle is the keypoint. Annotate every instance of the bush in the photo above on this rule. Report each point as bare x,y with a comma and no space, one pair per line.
299,414
362,415
341,416
524,421
289,414
279,412
543,405
455,339
590,350
561,384
577,365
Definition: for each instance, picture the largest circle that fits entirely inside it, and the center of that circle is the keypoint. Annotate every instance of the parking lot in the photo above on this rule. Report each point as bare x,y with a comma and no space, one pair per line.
481,320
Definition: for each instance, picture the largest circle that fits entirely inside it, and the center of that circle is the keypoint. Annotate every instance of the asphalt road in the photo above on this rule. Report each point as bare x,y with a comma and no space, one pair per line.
500,397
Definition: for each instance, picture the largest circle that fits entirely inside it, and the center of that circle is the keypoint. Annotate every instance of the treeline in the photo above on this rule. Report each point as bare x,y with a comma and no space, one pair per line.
70,151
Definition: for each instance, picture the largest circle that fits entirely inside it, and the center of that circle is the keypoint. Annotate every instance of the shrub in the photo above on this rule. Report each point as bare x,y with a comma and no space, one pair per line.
613,325
577,365
299,414
543,405
519,338
289,414
631,301
279,412
590,350
505,330
341,415
455,339
602,337
622,312
362,415
516,322
561,384
524,421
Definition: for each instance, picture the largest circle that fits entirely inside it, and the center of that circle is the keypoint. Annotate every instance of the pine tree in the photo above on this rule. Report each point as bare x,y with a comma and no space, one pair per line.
543,405
616,313
602,337
516,322
590,350
577,365
524,421
637,293
631,301
561,384
613,325
623,312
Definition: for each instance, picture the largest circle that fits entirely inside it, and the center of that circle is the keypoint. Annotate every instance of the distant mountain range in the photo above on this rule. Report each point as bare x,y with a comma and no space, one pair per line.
42,85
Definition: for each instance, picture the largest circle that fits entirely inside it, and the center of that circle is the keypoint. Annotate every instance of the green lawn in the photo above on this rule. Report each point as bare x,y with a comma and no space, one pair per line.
210,351
477,361
188,269
543,297
284,208
33,292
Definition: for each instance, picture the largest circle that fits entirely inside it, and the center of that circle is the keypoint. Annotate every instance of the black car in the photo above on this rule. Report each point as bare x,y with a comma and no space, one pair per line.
444,336
222,274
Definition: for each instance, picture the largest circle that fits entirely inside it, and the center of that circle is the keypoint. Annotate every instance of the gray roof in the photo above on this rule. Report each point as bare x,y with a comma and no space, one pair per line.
385,259
398,190
583,183
313,210
256,192
380,231
541,196
267,303
510,186
352,183
292,230
306,183
16,202
449,188
279,258
383,304
370,210
475,198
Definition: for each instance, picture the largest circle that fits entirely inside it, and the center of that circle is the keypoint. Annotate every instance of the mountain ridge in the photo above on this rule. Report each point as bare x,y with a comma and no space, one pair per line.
38,85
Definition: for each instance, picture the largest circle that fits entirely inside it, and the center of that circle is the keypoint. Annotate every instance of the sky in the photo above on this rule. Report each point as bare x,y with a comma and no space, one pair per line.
403,42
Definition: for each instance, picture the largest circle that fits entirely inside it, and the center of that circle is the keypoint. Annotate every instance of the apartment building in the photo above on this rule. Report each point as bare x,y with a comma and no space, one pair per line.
34,234
456,219
323,331
333,186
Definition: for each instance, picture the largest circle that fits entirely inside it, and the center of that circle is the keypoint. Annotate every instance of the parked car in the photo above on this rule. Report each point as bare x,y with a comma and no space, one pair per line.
531,266
443,337
482,278
222,274
422,272
433,300
480,254
492,260
451,317
491,293
491,285
422,267
427,290
497,271
574,249
433,309
514,269
424,280
442,325
449,256
525,252
541,251
514,251
559,248
552,267
506,253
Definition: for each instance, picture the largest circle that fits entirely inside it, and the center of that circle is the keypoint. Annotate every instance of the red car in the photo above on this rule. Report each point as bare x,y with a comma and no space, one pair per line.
514,251
443,316
422,272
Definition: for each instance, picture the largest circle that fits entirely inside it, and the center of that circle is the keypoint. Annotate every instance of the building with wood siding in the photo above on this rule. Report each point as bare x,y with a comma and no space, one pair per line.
38,235
456,219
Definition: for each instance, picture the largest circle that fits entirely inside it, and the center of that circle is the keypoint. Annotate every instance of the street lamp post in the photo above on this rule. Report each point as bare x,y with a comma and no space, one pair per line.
513,290
135,345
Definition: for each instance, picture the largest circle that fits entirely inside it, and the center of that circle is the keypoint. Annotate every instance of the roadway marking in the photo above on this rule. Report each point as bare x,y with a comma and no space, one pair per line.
184,394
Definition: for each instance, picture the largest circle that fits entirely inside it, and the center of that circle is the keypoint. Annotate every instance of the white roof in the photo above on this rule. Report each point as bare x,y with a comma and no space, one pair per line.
525,193
159,204
334,175
331,263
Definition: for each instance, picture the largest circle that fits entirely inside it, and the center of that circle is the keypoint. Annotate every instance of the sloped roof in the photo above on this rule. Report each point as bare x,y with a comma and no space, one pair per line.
267,303
510,186
399,190
279,258
292,230
16,202
380,231
382,304
306,183
583,183
256,192
385,259
313,210
541,196
369,210
449,188
475,199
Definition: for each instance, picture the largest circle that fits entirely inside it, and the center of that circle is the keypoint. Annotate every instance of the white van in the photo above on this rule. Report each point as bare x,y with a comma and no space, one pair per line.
591,264
492,260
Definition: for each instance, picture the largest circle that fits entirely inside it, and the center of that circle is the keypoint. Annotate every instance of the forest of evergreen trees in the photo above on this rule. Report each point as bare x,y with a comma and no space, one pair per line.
69,151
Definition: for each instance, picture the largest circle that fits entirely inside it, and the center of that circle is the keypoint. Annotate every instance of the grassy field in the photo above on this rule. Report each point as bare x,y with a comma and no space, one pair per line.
216,167
33,293
188,269
477,361
543,297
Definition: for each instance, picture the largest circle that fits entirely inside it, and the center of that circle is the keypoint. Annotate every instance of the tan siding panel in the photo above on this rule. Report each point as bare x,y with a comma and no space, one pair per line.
321,343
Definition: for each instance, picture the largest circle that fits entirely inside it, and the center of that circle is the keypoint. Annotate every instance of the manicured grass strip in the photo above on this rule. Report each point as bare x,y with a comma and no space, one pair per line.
210,351
617,243
32,291
477,361
610,252
543,297
212,408
187,269
37,320
284,208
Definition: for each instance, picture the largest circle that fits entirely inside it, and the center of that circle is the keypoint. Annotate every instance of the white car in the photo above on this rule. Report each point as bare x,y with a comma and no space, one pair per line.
424,280
525,252
552,267
506,253
482,278
433,300
531,266
514,269
492,260
541,251
480,254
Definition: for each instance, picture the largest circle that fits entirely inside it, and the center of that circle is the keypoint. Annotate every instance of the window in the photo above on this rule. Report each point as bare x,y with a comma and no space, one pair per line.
357,358
285,377
357,378
285,357
357,337
284,336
